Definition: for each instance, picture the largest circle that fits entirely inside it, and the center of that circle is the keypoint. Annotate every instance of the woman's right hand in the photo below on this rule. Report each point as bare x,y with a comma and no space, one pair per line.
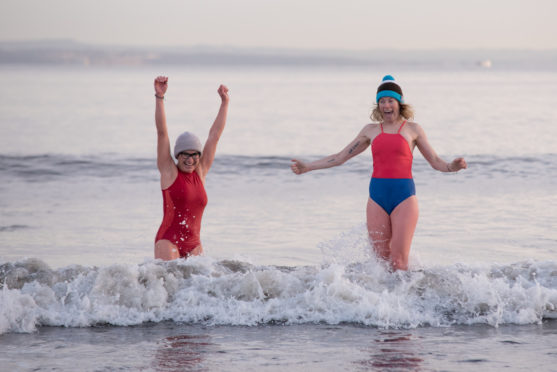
223,93
298,166
161,84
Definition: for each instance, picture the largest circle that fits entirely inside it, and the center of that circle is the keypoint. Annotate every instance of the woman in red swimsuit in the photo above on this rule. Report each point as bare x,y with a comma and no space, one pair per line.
392,207
183,181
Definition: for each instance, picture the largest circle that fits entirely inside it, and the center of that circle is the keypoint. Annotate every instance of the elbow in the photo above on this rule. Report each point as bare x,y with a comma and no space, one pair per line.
338,159
162,132
214,134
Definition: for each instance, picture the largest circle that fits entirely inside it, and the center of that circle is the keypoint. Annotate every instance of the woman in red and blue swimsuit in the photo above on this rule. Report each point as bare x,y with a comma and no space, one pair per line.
392,207
183,181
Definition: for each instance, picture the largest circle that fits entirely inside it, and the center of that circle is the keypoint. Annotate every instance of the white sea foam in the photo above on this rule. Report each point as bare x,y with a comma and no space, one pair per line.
208,291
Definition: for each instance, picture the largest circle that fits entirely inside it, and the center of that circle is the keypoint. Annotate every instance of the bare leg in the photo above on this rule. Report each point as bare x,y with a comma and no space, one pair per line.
166,251
197,251
403,221
379,229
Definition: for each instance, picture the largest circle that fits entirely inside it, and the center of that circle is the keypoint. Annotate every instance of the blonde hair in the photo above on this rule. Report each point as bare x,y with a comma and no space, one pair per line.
405,110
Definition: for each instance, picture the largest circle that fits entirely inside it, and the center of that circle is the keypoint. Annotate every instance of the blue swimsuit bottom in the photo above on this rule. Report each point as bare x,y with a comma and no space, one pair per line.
390,192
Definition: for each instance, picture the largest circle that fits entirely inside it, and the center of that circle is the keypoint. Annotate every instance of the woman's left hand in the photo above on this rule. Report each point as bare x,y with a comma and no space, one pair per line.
458,164
223,93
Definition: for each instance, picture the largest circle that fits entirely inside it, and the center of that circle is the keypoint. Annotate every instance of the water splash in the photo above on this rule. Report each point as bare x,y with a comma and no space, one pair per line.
208,291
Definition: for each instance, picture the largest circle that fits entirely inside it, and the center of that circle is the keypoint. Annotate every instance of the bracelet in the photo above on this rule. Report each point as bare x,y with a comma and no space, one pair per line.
159,97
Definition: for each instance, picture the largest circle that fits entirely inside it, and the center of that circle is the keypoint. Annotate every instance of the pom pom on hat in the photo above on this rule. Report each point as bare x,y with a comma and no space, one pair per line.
389,88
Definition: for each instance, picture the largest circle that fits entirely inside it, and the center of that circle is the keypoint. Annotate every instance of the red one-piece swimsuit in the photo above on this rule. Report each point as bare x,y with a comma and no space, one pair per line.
183,204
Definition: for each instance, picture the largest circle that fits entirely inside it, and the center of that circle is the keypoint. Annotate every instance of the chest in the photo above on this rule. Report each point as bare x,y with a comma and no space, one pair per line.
391,144
188,191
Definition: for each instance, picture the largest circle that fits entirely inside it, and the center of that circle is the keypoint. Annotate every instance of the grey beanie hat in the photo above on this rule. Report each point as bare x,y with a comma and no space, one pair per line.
187,141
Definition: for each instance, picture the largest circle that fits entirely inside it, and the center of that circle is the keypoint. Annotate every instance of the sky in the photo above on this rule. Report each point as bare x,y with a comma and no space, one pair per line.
305,24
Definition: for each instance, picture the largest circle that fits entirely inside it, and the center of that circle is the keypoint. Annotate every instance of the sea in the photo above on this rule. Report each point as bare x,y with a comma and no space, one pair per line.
288,280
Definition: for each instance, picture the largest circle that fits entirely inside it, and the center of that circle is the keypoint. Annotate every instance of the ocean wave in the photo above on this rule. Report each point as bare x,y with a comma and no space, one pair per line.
46,167
49,167
226,292
14,227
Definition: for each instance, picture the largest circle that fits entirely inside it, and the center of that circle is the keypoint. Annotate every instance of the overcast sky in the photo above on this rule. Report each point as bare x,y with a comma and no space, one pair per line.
345,24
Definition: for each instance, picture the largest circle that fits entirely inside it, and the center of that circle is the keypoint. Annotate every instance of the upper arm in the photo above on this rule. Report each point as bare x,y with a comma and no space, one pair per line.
165,162
210,148
357,146
209,151
424,146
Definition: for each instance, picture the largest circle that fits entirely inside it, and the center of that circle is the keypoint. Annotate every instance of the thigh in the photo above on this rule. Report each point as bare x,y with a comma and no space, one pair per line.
379,228
197,251
165,250
404,219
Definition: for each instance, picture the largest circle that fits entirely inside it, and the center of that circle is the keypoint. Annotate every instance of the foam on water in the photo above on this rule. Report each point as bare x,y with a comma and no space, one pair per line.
226,292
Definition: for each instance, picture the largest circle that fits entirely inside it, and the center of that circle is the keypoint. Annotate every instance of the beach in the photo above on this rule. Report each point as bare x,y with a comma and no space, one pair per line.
288,279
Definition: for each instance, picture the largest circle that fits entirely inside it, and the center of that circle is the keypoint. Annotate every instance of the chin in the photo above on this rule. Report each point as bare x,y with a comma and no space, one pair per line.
187,169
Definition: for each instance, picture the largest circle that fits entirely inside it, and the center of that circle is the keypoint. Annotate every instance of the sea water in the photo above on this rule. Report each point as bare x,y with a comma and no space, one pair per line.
288,279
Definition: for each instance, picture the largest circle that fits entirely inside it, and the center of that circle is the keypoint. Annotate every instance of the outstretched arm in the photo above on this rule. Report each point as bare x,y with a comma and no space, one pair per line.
165,163
215,132
435,160
359,144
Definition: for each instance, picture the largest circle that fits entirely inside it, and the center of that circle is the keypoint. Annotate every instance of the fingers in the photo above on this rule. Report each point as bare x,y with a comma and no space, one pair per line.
296,166
161,82
223,92
460,163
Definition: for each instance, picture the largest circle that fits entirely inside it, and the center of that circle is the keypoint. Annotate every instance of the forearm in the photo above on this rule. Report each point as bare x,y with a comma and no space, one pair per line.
220,121
446,166
160,117
326,162
439,164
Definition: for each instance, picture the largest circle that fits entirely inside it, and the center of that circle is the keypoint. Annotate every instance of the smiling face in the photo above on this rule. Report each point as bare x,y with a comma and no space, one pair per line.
188,160
389,108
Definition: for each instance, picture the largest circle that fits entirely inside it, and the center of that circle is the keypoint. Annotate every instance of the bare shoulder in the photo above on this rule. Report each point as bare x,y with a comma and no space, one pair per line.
414,127
371,130
201,172
168,176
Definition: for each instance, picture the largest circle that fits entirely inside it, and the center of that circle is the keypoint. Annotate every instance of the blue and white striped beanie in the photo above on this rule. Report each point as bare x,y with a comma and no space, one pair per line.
389,88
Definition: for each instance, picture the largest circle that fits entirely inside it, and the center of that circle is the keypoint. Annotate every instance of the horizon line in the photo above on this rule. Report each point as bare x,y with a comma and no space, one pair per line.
269,48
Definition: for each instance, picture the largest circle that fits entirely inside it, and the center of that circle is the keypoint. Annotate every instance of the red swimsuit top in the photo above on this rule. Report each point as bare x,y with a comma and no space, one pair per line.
392,157
183,204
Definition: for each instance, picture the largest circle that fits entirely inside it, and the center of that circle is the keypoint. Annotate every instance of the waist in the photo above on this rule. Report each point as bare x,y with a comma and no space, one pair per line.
392,185
391,172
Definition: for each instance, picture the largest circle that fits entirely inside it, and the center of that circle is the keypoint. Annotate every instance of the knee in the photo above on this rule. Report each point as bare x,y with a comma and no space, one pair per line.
399,262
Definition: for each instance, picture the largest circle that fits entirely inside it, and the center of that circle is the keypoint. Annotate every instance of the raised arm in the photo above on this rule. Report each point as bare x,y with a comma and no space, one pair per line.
214,133
359,144
165,163
431,156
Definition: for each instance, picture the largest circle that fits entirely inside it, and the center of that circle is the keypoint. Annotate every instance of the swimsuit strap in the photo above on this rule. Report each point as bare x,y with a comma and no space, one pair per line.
381,124
404,122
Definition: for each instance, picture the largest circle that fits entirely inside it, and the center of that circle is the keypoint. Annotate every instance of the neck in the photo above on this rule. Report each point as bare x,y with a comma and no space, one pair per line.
395,121
185,168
